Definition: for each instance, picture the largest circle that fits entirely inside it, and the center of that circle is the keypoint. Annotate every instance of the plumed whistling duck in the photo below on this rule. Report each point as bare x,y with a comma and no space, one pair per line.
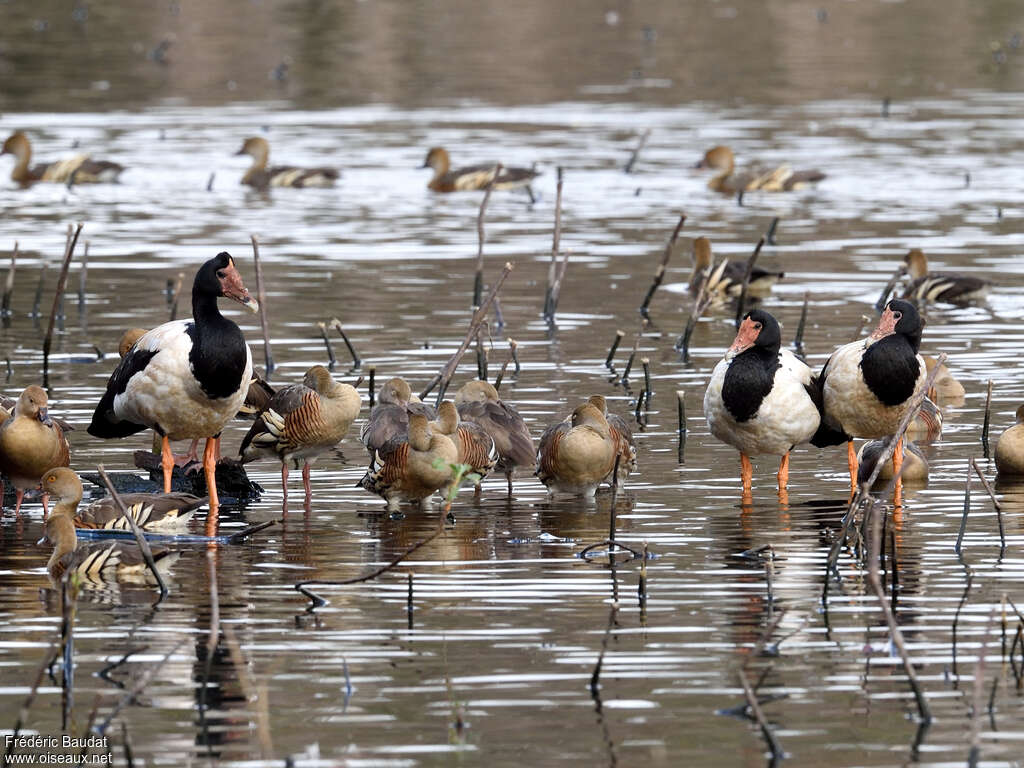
949,287
946,390
926,426
77,170
478,403
301,422
261,177
915,464
389,418
259,395
868,384
1010,448
187,378
128,339
726,279
781,179
411,468
151,511
622,436
476,448
759,399
474,176
576,455
30,443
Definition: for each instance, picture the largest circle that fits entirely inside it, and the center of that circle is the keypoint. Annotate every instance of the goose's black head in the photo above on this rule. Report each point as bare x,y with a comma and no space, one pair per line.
760,331
219,277
901,318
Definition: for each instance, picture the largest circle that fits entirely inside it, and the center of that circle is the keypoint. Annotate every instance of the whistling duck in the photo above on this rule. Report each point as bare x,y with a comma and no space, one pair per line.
187,378
759,399
128,339
622,436
411,468
96,563
781,179
261,177
389,418
945,390
151,511
259,395
478,403
940,286
726,279
476,448
915,465
1010,448
575,456
474,176
867,385
301,422
76,170
30,443
926,426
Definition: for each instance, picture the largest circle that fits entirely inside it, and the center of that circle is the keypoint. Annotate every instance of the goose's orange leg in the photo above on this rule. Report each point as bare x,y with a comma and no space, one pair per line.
210,469
746,472
851,460
783,472
166,462
897,465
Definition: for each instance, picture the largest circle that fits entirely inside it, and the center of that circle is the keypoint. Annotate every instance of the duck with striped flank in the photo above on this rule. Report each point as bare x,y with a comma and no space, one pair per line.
478,403
30,443
949,287
474,176
915,463
781,179
79,169
475,447
411,468
576,455
301,422
389,419
261,177
760,399
622,436
726,278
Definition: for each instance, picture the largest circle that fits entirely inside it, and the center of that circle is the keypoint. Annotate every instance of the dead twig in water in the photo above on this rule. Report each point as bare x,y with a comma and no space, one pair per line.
884,297
555,243
331,359
261,297
798,340
988,419
956,619
39,291
659,273
512,344
251,691
83,274
979,687
176,294
595,677
5,307
681,411
741,304
48,659
995,503
481,357
372,385
755,709
611,352
139,686
769,236
356,360
61,283
478,280
700,305
636,152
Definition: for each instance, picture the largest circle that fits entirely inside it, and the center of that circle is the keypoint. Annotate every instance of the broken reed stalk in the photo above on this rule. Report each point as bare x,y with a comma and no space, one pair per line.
481,238
967,510
746,281
83,275
515,356
641,588
995,503
481,357
700,305
595,677
769,236
884,297
48,659
261,297
176,294
755,709
645,396
448,371
979,688
209,182
140,539
798,340
499,318
681,412
251,691
624,381
39,291
615,345
61,283
636,152
555,243
659,273
372,386
139,686
988,419
68,595
5,307
512,343
864,320
556,289
331,359
408,601
956,618
356,360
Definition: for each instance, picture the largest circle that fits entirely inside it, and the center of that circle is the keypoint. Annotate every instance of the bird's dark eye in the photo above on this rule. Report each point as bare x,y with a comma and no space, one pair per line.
221,274
757,326
897,315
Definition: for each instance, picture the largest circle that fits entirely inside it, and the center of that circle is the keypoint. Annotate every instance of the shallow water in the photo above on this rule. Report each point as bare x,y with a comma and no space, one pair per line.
507,619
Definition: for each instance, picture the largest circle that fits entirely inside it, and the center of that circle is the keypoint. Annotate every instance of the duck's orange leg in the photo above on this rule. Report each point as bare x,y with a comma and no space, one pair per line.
851,460
166,462
783,475
746,472
210,470
897,465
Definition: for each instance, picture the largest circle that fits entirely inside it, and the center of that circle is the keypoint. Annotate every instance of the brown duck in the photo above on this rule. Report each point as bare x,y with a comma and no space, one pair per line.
622,436
30,443
474,176
301,422
261,177
77,170
389,418
950,287
576,455
478,403
726,278
781,179
475,447
1010,448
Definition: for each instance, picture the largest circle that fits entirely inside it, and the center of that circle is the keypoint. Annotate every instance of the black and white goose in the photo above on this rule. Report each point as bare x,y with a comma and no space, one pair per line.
185,379
759,397
867,385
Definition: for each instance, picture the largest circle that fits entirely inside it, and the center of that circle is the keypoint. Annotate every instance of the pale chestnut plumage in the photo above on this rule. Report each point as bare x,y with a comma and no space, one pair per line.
622,436
575,456
478,403
475,447
79,169
780,179
30,443
949,287
389,419
475,176
261,177
1010,448
915,464
726,278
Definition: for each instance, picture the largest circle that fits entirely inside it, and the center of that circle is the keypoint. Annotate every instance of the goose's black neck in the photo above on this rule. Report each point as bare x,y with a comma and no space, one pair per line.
219,354
748,380
891,368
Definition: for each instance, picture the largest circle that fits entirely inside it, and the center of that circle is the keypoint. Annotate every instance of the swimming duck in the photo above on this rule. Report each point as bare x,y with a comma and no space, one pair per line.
97,563
946,390
389,418
576,456
187,378
151,511
476,448
622,436
781,179
478,403
30,443
301,422
78,169
915,464
411,468
1010,448
940,286
867,385
474,176
759,399
261,177
726,279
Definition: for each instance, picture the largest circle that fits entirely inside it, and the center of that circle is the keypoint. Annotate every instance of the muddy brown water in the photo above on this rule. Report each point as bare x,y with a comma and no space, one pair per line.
494,663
